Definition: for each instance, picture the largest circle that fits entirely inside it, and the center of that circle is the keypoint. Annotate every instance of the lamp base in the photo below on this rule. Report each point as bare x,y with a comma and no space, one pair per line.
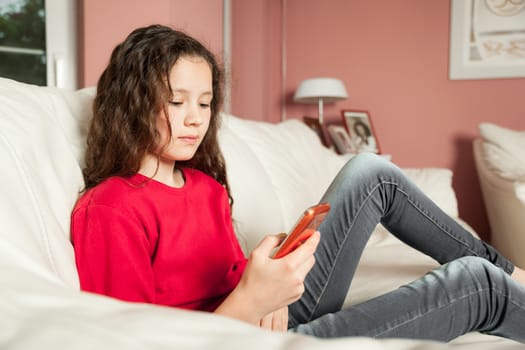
320,107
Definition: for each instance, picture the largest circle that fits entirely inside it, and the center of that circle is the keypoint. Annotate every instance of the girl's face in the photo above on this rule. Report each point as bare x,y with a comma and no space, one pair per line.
188,110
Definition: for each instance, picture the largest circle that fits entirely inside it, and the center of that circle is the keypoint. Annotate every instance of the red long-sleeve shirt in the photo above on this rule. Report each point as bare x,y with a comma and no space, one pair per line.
140,240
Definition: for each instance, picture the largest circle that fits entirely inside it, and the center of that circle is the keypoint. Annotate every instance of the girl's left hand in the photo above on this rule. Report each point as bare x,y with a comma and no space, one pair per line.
276,321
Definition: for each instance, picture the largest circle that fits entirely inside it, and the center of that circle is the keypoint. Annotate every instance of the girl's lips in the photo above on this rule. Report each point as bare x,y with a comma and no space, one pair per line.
189,138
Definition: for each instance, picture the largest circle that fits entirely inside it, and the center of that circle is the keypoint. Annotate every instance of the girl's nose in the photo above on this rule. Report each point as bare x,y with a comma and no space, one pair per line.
193,116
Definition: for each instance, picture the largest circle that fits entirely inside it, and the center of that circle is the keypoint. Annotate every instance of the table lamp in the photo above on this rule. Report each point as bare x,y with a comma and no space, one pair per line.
320,91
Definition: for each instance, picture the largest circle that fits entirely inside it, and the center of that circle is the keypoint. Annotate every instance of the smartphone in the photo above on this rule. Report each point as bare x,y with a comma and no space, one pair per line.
303,229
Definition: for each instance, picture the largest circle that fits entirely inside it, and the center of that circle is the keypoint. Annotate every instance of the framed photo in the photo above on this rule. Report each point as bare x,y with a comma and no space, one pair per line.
487,39
313,123
340,139
361,130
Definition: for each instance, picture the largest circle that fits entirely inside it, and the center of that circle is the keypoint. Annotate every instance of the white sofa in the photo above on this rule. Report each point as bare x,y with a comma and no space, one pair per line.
499,155
275,171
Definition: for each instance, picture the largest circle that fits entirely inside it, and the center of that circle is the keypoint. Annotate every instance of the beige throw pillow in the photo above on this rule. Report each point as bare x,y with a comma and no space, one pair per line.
504,150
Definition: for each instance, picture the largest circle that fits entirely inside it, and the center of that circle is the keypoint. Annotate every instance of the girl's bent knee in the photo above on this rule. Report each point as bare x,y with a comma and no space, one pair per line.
369,163
478,269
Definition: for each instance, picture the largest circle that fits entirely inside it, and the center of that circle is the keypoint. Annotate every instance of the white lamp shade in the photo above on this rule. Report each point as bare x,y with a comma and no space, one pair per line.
315,89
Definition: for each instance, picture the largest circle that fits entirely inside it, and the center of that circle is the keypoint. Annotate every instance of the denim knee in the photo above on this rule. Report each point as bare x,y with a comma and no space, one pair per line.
367,166
368,160
480,271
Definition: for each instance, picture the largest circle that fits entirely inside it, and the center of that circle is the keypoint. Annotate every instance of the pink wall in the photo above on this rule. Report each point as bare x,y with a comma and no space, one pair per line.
104,24
392,55
257,91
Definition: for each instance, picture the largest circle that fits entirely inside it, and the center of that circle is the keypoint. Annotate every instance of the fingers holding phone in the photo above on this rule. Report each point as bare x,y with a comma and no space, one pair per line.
274,282
302,259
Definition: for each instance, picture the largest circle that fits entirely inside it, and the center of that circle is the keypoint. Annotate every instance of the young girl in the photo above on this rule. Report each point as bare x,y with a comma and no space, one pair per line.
154,223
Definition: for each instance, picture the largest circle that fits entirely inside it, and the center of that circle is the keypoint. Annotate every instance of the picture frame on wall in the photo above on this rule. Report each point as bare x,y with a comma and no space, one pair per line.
340,139
361,131
487,39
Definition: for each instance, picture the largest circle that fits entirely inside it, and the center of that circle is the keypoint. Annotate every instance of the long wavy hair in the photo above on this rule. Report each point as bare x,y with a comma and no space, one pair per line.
131,92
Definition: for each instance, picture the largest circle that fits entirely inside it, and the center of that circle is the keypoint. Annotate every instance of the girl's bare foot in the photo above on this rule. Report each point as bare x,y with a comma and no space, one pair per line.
519,275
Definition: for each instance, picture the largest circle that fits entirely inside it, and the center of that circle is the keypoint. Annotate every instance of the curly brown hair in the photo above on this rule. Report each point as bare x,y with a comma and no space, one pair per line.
131,92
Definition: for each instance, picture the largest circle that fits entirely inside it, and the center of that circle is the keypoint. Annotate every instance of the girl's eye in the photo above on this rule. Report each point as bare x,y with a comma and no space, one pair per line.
175,103
205,105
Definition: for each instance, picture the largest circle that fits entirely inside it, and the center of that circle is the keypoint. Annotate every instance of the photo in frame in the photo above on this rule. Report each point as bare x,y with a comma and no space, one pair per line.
361,130
340,139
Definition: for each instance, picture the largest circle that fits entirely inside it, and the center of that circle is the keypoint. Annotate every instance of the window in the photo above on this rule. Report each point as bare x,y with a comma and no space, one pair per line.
37,42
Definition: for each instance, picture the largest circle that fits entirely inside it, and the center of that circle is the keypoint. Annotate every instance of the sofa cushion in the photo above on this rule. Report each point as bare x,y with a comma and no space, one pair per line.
503,150
256,208
436,183
41,142
275,171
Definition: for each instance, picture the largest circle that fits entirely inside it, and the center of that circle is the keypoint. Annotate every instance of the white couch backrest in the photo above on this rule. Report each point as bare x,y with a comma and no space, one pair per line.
275,171
41,136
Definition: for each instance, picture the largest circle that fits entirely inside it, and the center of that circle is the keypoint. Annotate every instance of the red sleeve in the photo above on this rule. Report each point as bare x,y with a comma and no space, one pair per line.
112,253
228,221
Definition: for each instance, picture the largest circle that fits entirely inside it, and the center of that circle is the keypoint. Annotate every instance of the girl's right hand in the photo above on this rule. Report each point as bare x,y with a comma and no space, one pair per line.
270,284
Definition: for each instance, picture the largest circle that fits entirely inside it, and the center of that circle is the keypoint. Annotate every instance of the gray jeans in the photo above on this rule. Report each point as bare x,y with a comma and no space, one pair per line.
471,291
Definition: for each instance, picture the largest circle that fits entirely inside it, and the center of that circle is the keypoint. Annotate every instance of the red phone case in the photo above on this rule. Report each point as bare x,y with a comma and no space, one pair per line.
303,229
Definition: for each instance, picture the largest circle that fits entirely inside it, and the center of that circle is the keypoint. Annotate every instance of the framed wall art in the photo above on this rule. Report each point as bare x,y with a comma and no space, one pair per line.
487,39
361,130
